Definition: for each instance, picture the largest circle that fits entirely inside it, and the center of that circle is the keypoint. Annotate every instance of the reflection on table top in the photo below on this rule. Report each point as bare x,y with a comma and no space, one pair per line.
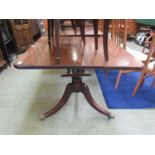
75,54
88,32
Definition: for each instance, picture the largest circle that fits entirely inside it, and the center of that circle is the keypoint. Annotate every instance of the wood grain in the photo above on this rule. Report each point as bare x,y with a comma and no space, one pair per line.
74,54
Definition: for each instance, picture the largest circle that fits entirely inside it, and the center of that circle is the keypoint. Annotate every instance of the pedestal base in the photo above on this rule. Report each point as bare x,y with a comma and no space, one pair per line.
77,86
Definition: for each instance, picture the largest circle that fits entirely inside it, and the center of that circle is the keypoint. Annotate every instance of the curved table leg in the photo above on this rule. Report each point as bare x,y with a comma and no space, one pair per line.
85,90
77,86
61,103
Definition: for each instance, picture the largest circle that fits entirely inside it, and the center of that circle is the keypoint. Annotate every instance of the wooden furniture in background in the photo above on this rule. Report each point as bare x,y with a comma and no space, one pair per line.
22,33
132,27
25,32
2,61
118,29
7,42
34,28
54,26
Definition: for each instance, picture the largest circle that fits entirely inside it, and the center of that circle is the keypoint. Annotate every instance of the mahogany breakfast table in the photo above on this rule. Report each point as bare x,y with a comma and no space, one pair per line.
76,56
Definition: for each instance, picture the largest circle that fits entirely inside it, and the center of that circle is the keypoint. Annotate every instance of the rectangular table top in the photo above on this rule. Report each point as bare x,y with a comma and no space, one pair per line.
74,54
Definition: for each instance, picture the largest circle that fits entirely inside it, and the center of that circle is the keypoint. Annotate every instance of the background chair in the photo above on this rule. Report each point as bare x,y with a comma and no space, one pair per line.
149,68
75,23
141,56
119,32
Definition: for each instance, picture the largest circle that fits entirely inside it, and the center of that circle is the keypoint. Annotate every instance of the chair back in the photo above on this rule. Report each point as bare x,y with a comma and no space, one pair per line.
118,29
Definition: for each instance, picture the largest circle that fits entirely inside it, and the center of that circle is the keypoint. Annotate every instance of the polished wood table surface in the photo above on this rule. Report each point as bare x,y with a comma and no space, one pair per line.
76,56
54,29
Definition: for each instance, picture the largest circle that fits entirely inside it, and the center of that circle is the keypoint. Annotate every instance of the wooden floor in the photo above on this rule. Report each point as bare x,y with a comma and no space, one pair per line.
75,54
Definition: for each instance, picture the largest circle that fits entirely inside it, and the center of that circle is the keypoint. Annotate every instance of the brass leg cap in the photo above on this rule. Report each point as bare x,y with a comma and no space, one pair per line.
42,117
111,116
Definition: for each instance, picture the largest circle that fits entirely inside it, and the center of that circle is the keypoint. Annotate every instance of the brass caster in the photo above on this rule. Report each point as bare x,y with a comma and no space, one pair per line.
42,117
111,116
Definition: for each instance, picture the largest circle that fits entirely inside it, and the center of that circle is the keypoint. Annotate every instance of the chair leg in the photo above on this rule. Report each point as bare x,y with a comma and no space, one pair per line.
49,33
96,33
62,24
52,27
141,79
142,83
73,25
105,38
143,50
82,29
118,79
57,39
